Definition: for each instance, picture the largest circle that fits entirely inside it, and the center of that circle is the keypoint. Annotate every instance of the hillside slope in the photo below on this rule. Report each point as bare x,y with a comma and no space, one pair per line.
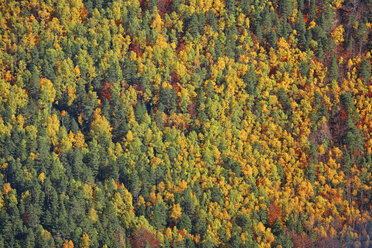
185,123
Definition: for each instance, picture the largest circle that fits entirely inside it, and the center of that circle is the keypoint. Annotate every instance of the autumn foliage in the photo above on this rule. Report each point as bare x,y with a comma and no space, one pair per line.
172,123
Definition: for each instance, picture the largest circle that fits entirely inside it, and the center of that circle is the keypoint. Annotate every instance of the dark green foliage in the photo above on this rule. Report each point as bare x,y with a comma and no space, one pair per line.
140,111
277,227
245,5
301,30
352,117
230,7
159,218
258,33
284,240
352,139
134,186
304,67
250,79
235,240
168,100
244,222
230,45
311,173
35,82
200,225
187,203
211,20
216,194
193,25
185,223
285,8
365,70
361,35
284,100
207,244
333,69
272,38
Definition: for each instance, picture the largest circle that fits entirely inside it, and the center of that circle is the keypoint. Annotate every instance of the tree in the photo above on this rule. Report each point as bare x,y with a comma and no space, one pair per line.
159,218
365,70
176,212
285,101
216,194
35,82
100,128
245,5
188,203
311,173
333,69
301,30
285,8
134,186
361,35
200,226
211,20
244,222
230,7
250,79
272,38
144,238
277,227
284,240
85,241
193,25
185,223
47,93
140,111
168,100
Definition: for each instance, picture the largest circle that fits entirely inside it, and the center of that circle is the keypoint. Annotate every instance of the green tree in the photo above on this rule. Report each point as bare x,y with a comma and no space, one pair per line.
250,79
200,226
212,20
277,227
311,172
216,194
365,70
244,222
185,223
168,100
285,101
159,218
285,8
301,30
235,239
140,111
193,25
361,35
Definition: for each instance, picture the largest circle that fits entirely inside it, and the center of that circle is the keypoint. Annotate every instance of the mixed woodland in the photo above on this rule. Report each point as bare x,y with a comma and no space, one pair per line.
185,123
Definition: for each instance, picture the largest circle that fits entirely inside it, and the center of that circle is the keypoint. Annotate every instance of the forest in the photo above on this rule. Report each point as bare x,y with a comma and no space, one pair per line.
185,123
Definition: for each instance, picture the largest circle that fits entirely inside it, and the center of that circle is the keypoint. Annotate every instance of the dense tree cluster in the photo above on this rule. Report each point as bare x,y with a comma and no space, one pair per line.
160,123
